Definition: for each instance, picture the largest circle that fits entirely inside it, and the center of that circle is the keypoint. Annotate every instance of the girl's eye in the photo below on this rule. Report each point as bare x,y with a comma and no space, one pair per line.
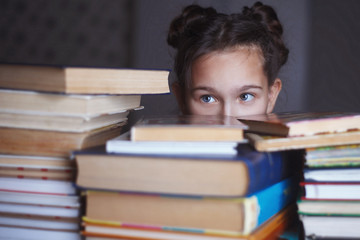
207,99
246,97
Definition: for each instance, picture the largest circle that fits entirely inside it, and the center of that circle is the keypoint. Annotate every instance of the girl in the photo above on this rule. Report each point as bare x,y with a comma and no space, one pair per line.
227,64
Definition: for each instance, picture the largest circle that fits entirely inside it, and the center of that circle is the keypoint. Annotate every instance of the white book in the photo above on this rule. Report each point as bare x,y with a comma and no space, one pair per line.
37,186
40,199
7,233
123,145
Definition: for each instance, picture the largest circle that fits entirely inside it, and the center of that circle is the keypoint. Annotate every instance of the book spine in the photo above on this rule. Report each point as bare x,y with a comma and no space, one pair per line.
270,201
266,169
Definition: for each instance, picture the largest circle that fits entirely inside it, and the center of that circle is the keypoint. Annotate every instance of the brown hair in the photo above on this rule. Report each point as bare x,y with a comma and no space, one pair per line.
198,31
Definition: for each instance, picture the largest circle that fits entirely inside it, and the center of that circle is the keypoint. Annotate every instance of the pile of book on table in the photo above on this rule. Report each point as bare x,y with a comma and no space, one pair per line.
329,206
45,114
187,177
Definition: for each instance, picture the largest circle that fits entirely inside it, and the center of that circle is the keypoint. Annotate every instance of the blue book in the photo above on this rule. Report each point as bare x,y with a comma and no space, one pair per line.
198,175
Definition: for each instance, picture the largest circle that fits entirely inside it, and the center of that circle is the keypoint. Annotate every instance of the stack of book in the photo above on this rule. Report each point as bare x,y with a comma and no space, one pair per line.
329,205
182,193
46,113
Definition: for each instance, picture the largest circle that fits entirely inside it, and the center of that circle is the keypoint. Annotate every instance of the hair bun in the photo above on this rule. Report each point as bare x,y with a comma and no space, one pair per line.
189,15
268,17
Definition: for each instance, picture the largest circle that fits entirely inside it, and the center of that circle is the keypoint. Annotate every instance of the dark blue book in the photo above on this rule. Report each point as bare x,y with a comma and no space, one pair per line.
198,175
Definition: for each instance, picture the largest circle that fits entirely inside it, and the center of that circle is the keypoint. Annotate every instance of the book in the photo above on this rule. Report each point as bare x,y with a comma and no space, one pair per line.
276,143
123,145
46,224
302,124
331,227
83,80
42,162
188,128
44,174
35,186
60,123
7,232
341,156
226,176
39,210
19,141
66,201
326,208
232,215
271,229
46,103
332,174
331,191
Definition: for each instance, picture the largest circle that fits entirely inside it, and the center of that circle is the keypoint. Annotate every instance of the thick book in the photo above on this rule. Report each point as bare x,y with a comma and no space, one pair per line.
63,123
46,103
50,200
271,229
188,128
28,222
329,207
211,175
42,162
37,173
233,215
341,156
276,143
123,145
35,186
302,124
332,174
7,232
83,80
331,227
19,141
331,190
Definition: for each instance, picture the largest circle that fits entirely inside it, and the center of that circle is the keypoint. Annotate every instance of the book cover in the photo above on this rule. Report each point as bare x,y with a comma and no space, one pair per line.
211,175
302,124
83,80
188,128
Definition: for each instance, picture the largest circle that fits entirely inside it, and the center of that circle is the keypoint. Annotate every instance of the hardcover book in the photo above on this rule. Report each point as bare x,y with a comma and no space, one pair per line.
188,128
302,124
123,145
227,176
271,229
83,80
276,143
237,216
19,141
30,102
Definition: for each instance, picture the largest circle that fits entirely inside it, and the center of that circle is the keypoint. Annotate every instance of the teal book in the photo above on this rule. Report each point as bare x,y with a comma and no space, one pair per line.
189,175
199,215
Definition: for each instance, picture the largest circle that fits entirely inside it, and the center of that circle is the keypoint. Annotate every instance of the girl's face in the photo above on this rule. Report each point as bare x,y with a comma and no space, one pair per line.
230,83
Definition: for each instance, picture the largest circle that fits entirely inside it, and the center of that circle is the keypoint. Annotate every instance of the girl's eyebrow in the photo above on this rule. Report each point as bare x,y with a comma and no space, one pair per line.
241,89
